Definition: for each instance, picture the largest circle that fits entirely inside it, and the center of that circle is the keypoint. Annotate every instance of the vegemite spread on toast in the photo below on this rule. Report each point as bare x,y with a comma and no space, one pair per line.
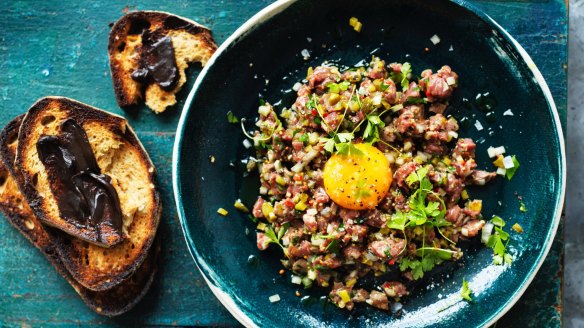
85,196
157,61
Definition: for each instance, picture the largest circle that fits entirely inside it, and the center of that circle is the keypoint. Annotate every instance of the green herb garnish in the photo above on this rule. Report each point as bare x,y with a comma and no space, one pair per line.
231,118
498,242
428,214
275,239
510,172
402,76
522,207
303,137
465,292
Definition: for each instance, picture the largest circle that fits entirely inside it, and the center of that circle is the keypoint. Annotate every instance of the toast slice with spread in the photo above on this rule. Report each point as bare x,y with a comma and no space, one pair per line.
149,52
121,161
13,205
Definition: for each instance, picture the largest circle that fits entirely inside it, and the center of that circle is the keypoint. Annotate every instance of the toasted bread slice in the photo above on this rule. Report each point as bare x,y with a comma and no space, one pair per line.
119,155
111,302
191,42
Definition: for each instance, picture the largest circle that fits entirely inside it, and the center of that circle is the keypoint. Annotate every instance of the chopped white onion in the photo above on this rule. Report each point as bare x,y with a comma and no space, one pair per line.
263,190
317,241
495,151
464,231
325,211
395,307
305,53
390,158
453,134
508,112
376,99
451,48
296,280
501,171
278,165
508,162
435,39
296,86
478,125
274,298
451,80
264,110
297,167
370,257
247,144
311,211
486,233
423,156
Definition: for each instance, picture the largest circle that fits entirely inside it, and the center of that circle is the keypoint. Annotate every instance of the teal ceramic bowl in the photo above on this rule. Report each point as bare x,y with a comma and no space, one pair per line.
262,59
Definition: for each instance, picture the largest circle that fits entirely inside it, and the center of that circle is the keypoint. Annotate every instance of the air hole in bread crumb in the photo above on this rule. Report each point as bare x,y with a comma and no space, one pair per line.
48,120
138,26
35,179
121,47
133,246
86,259
3,177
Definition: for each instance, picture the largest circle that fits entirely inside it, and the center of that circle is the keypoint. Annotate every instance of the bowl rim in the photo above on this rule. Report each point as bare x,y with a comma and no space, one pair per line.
264,15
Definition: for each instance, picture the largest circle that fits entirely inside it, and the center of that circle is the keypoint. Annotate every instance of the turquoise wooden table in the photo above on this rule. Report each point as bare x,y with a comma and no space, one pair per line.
60,48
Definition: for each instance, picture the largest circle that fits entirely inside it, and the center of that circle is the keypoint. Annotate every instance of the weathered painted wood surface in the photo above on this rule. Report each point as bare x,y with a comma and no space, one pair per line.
59,48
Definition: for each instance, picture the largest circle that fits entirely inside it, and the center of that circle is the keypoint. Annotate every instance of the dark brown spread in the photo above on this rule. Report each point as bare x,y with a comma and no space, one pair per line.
157,61
85,196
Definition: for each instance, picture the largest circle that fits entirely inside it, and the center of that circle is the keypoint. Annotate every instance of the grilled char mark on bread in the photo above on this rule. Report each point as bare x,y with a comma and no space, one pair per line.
191,41
112,302
121,156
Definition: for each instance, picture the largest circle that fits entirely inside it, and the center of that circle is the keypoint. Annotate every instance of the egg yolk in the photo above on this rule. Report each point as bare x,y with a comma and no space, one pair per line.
359,179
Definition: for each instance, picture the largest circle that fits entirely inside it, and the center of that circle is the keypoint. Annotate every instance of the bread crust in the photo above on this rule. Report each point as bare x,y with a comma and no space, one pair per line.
112,302
129,92
94,267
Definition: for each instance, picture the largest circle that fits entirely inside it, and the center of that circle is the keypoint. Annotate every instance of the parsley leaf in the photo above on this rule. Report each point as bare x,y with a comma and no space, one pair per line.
465,292
275,239
398,221
496,242
406,70
345,136
329,144
347,148
231,118
303,137
371,133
